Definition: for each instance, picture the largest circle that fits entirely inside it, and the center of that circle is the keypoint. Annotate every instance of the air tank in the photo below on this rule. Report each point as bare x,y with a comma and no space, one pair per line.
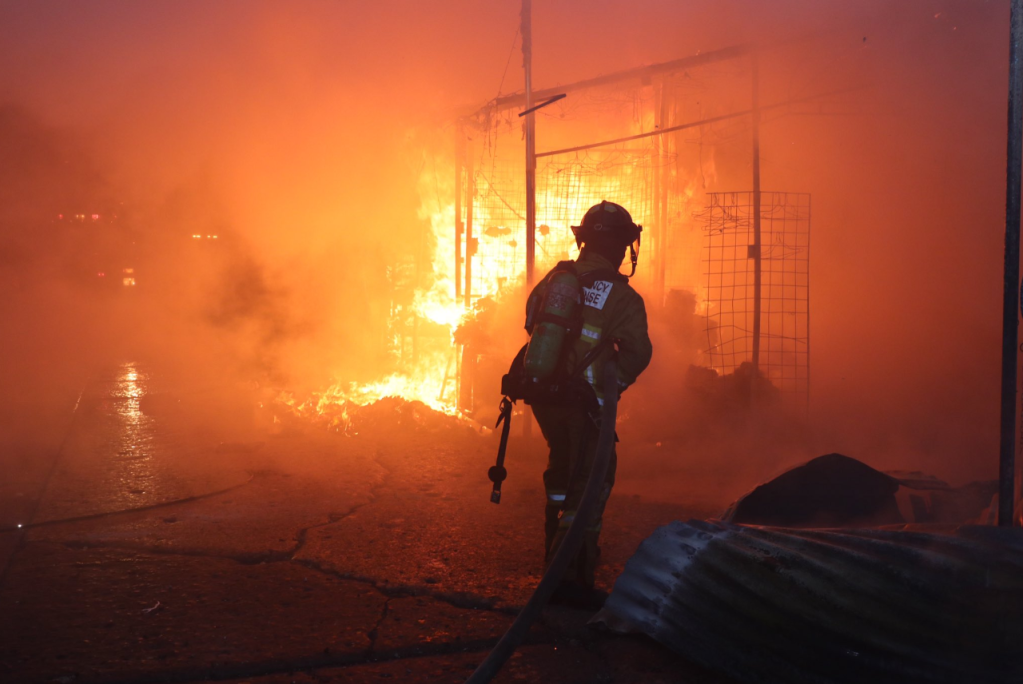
558,314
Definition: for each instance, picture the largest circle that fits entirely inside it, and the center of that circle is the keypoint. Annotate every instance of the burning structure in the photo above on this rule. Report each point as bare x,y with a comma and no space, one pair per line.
725,274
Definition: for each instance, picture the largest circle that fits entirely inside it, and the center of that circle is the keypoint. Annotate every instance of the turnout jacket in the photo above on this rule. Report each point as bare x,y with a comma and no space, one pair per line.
611,309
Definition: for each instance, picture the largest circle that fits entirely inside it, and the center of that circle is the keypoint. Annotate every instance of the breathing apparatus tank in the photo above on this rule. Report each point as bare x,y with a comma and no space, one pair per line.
558,316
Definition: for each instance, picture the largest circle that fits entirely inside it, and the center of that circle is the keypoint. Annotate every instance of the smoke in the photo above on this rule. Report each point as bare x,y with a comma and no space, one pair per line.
294,133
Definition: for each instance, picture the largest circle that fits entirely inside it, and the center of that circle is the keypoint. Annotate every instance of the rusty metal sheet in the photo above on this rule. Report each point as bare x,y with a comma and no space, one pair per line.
766,604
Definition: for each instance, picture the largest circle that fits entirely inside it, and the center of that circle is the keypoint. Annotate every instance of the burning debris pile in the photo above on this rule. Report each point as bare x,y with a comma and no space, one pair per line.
389,413
441,385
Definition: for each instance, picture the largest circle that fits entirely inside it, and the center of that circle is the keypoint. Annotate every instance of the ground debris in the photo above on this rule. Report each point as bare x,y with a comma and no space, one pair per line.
382,416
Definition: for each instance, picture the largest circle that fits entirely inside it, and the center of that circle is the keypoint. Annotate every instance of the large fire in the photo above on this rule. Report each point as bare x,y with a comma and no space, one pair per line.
495,251
431,376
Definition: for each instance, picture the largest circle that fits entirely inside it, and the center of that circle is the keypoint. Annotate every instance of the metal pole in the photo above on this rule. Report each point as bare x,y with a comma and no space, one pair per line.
756,220
467,361
527,65
470,243
459,227
655,201
665,176
1010,299
808,224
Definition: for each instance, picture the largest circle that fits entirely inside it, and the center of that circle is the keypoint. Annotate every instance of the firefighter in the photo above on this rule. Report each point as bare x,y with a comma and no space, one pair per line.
613,314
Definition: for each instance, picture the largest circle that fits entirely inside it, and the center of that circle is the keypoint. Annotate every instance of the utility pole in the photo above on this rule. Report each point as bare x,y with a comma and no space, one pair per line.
755,248
527,65
1011,293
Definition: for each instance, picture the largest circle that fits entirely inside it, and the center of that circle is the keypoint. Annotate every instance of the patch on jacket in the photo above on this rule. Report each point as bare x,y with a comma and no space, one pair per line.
596,296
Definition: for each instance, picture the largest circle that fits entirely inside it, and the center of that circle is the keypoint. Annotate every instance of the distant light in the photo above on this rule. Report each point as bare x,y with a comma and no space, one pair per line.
95,217
19,525
101,274
214,237
128,271
197,237
128,282
60,216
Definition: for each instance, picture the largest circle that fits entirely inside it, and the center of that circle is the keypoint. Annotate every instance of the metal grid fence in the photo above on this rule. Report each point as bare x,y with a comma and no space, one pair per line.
641,175
785,287
688,254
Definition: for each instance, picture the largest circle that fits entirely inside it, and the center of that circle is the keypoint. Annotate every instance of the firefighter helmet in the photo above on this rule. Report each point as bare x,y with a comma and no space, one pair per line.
607,220
609,223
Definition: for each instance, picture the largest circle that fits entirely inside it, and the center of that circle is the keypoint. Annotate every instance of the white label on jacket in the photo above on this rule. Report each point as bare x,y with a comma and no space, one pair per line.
596,296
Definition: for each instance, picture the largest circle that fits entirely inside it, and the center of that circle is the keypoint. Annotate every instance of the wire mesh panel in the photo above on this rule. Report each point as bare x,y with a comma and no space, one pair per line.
784,348
496,250
661,140
659,146
642,175
568,185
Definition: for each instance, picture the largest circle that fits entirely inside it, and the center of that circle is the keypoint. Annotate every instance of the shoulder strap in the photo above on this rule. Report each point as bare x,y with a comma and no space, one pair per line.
534,304
564,266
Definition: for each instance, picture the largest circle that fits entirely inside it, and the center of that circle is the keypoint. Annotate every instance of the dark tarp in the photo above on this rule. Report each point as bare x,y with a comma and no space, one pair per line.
839,491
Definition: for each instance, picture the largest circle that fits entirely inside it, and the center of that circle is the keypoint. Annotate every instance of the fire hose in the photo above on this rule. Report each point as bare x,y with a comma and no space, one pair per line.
571,543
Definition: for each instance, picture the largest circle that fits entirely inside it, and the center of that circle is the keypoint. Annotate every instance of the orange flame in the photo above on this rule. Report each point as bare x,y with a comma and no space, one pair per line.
431,376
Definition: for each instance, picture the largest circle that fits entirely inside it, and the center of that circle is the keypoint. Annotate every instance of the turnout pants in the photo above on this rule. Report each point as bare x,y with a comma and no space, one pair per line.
572,438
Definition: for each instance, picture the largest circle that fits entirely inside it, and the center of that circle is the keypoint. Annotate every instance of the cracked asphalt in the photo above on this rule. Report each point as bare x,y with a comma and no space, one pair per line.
173,533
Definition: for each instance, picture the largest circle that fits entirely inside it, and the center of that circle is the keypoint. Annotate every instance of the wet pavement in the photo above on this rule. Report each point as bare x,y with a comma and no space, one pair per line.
172,532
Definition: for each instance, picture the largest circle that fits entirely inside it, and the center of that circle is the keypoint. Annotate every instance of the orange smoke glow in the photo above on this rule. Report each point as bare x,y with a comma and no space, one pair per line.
282,179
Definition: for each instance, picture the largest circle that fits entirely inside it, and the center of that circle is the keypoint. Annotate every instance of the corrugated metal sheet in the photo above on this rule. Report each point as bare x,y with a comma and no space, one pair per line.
874,605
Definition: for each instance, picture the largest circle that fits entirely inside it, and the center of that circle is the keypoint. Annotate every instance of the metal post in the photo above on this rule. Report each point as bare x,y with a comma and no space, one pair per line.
657,191
653,226
808,224
459,227
1010,299
470,241
665,176
527,65
756,220
467,360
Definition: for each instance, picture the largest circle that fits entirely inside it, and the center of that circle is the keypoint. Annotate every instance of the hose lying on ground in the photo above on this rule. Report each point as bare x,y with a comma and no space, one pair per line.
569,545
124,511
